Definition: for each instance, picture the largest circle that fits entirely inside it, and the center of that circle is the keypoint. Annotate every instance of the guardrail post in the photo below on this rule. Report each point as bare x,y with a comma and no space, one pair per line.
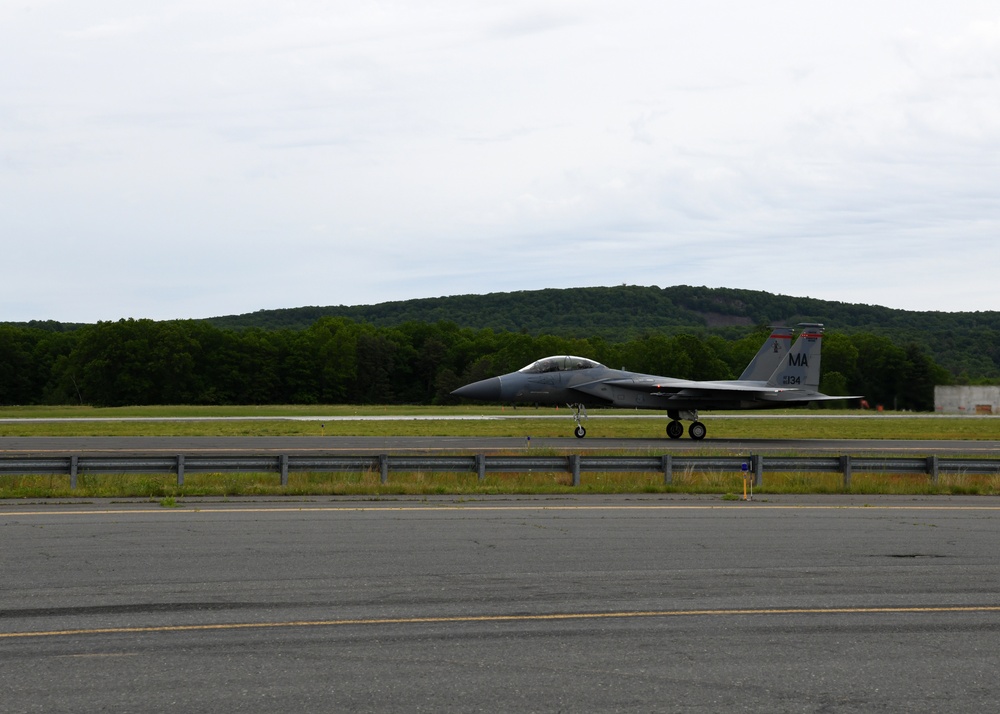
932,467
845,467
283,466
667,464
574,466
383,467
180,469
758,470
481,466
74,467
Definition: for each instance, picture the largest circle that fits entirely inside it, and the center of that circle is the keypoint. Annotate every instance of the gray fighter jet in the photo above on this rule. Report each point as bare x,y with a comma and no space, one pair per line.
779,376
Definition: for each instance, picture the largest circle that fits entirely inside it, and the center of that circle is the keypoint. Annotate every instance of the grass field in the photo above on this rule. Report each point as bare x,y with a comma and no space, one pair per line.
316,420
434,421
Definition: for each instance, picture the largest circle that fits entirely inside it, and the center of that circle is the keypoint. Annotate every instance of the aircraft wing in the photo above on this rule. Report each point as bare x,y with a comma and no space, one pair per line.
686,389
761,390
692,388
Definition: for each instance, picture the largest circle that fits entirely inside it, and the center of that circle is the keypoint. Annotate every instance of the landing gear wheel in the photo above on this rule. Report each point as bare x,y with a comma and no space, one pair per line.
579,412
675,430
697,430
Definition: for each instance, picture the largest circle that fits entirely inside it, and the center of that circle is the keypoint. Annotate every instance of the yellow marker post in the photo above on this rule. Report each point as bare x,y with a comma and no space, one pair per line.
747,475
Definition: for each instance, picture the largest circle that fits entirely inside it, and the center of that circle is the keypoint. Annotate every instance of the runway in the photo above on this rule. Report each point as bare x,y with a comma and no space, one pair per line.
12,445
642,602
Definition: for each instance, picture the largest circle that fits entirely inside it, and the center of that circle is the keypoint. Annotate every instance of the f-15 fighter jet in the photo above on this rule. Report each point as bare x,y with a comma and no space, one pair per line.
779,376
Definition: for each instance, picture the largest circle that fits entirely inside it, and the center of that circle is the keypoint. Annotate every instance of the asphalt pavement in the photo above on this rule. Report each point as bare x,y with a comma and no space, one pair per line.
544,603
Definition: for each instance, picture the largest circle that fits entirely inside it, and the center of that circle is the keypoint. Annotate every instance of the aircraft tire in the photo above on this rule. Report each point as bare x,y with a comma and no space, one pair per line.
675,430
697,430
579,432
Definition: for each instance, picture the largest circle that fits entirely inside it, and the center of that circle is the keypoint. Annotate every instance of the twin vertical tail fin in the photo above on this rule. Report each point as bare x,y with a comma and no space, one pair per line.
800,367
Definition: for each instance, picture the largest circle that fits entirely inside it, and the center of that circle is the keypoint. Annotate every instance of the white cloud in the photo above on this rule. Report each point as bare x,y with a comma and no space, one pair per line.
191,159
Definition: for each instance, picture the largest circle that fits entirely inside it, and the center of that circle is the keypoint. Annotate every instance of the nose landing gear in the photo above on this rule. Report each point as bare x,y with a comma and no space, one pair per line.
579,411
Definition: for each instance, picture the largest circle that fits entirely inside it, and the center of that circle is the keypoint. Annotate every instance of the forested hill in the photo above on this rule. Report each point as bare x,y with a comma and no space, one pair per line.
618,313
964,343
417,352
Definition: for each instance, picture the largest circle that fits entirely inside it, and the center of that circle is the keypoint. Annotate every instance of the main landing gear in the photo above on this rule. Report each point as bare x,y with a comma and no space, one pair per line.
675,430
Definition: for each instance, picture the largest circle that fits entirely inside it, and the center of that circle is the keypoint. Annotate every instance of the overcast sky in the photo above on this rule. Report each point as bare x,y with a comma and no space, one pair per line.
170,159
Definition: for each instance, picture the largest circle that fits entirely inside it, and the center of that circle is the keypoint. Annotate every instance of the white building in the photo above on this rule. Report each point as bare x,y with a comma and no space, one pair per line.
967,400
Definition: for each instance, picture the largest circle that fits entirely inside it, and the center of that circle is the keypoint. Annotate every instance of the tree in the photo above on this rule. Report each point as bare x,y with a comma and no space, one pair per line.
17,368
375,355
135,362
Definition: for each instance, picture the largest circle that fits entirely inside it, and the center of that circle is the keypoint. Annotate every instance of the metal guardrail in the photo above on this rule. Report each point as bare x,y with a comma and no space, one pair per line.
752,466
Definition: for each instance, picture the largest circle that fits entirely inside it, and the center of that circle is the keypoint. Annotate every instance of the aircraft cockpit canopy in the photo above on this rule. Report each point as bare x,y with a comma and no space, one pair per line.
562,363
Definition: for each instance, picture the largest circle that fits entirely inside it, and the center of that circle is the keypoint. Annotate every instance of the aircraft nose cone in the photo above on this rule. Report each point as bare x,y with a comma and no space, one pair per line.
485,390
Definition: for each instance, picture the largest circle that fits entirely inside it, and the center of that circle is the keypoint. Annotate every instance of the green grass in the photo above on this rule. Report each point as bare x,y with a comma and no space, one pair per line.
164,489
307,421
279,421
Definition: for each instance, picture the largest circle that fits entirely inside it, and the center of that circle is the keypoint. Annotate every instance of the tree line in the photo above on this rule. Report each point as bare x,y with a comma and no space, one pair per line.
336,360
966,344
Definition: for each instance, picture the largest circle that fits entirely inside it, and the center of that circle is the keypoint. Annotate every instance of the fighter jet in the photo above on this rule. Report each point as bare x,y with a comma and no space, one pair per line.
792,379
